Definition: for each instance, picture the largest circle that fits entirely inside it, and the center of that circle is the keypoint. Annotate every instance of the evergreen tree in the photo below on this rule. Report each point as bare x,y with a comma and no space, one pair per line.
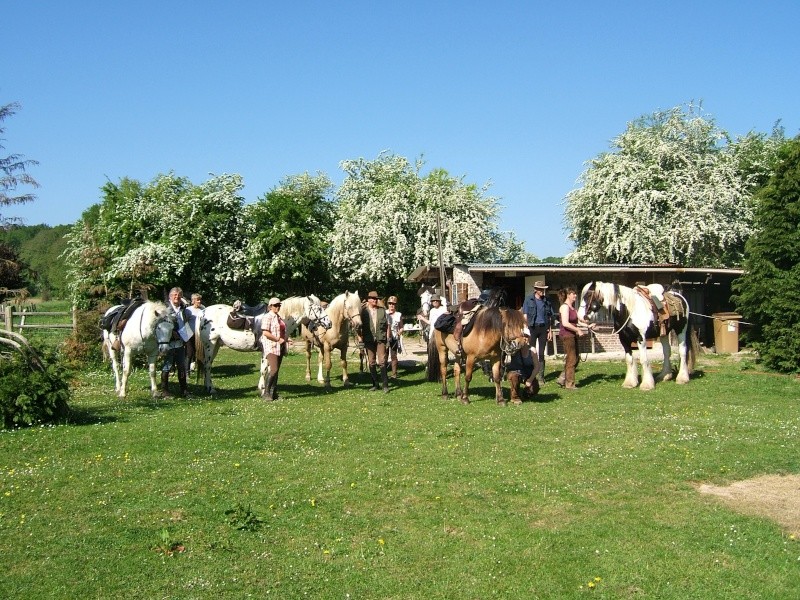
767,294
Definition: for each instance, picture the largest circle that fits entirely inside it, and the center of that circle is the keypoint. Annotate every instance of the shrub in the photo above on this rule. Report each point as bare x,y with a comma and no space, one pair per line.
30,396
81,348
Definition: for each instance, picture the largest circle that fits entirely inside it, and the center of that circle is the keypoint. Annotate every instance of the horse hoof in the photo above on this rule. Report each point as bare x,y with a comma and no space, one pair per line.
464,401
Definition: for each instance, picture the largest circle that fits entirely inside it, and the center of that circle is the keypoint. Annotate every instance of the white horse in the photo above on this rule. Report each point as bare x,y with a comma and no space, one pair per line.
212,332
342,314
636,320
109,338
149,326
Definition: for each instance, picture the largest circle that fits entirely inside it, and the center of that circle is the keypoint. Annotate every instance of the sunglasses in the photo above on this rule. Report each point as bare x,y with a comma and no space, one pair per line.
392,303
278,304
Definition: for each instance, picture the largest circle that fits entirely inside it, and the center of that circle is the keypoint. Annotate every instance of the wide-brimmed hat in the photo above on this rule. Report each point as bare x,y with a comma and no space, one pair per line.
274,301
391,300
436,298
374,295
539,285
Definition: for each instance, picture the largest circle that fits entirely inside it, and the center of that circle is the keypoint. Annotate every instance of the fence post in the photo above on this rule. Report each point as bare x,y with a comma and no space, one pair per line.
75,319
9,317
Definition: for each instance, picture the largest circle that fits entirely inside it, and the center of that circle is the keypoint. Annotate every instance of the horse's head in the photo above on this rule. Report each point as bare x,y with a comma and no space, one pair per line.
164,326
591,300
352,309
515,331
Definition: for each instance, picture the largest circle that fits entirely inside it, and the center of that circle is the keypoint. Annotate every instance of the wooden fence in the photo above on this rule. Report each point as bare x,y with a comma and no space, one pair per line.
21,319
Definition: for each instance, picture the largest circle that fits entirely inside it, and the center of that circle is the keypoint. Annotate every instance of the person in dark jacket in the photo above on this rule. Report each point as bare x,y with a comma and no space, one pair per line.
540,315
374,335
521,373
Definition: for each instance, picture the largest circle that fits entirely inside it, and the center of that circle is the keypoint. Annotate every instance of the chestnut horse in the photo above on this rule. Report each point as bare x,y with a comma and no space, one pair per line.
495,333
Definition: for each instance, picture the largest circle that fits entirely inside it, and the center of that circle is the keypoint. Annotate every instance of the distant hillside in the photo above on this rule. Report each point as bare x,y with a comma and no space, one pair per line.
39,247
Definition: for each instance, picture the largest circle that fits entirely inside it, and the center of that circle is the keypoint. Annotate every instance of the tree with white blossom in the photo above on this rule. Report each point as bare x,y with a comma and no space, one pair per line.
675,188
387,220
170,232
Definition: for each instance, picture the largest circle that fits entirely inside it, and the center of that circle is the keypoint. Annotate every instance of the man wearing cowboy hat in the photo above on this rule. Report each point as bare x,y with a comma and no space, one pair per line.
539,315
374,334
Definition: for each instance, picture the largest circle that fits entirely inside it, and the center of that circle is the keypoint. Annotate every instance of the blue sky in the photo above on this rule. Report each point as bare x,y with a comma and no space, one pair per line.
519,94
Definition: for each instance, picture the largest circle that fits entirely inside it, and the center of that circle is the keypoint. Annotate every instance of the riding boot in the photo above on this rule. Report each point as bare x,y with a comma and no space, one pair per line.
394,368
385,380
373,373
273,392
165,384
182,383
267,392
540,374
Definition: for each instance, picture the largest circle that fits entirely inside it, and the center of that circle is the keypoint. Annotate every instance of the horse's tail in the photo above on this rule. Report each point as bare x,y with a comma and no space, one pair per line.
692,347
199,354
434,366
692,337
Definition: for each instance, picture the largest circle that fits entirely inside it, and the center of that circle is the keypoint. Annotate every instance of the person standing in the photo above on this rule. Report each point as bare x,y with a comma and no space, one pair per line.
176,351
569,332
273,332
539,315
374,335
395,319
195,310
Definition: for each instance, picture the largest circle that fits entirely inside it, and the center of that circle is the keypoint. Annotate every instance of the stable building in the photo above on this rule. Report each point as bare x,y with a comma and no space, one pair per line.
708,290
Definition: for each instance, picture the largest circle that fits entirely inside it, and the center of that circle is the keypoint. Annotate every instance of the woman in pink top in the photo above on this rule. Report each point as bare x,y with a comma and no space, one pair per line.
569,332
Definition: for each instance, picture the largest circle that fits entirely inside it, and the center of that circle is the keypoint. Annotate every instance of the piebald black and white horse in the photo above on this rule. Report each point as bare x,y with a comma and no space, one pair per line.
636,319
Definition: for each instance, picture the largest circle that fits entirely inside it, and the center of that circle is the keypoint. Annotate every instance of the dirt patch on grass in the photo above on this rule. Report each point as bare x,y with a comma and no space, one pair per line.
776,497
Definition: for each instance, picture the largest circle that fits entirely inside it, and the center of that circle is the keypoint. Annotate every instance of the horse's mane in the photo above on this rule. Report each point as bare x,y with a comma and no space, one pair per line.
296,305
507,320
338,308
151,312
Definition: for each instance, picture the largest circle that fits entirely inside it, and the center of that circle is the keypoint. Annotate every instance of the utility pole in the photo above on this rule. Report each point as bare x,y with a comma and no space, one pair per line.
441,259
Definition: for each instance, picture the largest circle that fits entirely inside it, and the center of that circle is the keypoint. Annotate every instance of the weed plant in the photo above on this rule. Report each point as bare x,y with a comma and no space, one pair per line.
352,494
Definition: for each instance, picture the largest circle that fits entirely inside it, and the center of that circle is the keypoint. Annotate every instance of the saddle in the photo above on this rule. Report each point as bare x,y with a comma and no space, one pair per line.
243,318
660,308
115,321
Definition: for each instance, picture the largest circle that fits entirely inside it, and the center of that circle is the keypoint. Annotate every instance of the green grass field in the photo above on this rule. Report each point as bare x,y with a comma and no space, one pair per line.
351,494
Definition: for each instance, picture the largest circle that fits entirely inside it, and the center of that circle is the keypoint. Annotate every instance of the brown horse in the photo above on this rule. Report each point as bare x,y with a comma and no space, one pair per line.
495,332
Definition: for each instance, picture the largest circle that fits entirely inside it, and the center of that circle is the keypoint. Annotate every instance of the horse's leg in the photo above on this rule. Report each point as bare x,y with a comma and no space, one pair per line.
498,384
112,354
457,380
151,369
631,373
343,352
308,360
126,371
683,351
324,352
263,377
470,367
210,350
666,369
442,350
648,383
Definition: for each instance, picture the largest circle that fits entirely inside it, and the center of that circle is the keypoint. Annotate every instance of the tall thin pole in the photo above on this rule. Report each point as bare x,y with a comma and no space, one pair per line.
441,258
